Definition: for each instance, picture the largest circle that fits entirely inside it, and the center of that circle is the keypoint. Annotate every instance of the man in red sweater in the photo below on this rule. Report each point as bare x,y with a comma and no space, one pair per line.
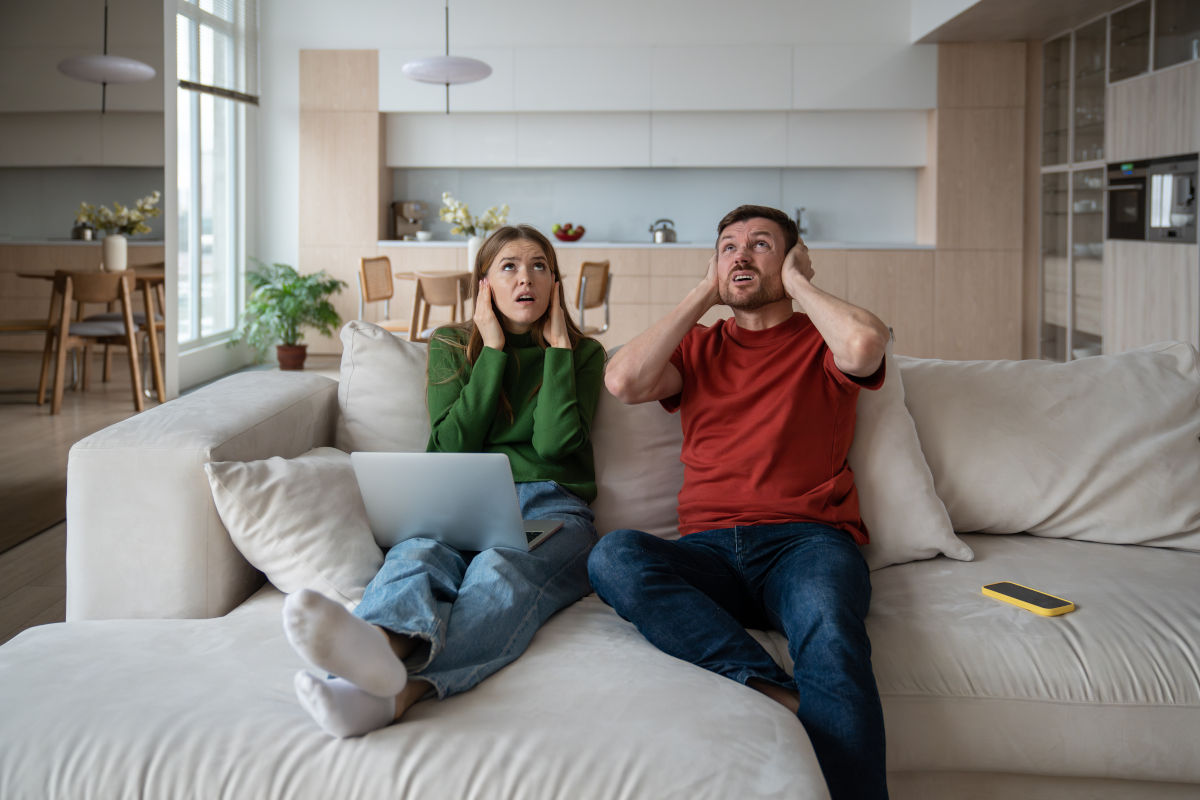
768,511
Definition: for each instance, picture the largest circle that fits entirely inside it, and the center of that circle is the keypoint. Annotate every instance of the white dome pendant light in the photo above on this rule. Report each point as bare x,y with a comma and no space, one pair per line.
105,69
446,69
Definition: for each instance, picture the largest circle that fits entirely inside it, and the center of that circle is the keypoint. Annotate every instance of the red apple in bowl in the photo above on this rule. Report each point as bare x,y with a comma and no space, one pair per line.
568,232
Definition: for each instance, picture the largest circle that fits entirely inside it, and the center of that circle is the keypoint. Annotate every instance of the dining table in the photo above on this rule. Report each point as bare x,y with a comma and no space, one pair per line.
147,279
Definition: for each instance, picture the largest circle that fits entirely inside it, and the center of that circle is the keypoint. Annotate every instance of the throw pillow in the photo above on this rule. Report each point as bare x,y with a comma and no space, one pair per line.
381,393
904,516
1105,449
301,521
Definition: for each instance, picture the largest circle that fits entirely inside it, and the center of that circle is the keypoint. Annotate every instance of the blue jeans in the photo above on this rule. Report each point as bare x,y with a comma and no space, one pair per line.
694,598
476,612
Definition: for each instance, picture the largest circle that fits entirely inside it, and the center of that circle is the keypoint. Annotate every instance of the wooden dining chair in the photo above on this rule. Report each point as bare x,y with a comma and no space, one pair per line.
438,289
63,334
592,291
158,304
375,285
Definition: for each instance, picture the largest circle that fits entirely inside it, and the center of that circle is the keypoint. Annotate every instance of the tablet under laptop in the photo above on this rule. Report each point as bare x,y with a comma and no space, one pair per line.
466,500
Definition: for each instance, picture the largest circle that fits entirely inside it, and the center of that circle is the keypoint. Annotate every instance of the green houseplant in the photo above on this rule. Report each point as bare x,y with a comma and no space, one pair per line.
281,303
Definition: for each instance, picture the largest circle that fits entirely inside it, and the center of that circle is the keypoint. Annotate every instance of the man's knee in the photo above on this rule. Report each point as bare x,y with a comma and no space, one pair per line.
615,562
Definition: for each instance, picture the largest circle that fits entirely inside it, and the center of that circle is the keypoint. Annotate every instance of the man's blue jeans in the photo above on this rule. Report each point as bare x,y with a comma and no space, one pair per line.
478,611
694,598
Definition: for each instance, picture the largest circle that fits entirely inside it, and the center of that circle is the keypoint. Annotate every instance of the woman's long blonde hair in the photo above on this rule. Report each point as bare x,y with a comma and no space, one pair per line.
483,261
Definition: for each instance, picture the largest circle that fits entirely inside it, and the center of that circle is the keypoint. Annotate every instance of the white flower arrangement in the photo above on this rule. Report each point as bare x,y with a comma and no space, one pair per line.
458,213
119,218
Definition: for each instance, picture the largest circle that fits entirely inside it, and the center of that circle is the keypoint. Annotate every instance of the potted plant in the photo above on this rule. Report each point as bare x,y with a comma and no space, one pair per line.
281,303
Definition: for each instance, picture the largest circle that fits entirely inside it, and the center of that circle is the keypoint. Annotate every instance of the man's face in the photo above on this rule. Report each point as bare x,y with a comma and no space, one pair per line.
750,264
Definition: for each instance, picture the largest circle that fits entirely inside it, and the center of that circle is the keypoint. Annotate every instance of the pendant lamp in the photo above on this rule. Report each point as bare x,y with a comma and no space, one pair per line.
105,69
446,69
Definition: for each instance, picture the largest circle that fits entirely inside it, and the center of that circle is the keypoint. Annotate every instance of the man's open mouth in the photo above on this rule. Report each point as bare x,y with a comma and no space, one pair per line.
743,277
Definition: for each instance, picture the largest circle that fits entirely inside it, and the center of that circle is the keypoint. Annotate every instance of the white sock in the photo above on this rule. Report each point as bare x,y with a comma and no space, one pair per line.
332,639
340,707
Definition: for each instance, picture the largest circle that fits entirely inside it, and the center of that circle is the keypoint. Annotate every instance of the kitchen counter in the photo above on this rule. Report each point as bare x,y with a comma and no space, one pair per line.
589,243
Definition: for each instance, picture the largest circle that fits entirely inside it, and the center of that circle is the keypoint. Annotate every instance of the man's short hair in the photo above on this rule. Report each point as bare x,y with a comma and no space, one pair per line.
743,213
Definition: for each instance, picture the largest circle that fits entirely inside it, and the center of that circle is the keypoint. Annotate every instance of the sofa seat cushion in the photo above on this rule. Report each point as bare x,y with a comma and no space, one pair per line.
1111,689
205,708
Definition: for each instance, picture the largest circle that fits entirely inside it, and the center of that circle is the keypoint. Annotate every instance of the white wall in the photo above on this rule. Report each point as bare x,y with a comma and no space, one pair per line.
535,27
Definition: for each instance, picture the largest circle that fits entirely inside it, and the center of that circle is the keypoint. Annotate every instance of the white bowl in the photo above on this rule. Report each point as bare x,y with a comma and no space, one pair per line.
1180,220
424,236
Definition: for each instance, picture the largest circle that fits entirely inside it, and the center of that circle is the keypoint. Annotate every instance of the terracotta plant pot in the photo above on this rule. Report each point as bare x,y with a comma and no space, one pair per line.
291,356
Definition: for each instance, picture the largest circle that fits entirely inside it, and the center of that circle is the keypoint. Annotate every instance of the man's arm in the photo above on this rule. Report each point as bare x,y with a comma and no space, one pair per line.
641,370
856,337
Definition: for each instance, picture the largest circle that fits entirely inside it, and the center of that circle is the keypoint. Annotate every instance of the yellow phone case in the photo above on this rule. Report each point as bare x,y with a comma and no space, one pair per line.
1066,607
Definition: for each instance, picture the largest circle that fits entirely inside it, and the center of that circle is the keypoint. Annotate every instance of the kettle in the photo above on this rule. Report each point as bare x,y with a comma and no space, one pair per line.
663,230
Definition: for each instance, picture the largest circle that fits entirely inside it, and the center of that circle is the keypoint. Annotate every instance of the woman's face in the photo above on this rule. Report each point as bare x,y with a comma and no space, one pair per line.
521,283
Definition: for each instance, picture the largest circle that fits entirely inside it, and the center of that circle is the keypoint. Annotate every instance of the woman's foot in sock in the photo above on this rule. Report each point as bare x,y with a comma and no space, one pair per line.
341,708
332,639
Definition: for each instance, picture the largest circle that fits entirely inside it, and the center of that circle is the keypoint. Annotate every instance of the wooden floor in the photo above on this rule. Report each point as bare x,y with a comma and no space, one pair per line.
33,459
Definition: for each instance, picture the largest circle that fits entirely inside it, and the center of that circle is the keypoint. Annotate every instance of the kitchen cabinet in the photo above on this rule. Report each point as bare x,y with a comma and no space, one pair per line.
1088,77
1151,294
1176,32
753,139
1129,45
738,78
1056,100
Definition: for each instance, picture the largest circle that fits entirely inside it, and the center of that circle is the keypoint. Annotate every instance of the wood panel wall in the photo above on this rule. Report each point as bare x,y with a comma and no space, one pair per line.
342,176
980,172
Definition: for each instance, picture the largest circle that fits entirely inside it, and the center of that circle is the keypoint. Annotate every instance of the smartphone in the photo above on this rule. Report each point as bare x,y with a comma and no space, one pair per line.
1029,599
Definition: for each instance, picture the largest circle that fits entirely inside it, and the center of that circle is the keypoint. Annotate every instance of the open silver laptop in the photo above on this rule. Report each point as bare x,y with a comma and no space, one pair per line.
466,500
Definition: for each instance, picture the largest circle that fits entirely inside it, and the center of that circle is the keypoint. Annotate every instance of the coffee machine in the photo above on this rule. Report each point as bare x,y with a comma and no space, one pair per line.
408,217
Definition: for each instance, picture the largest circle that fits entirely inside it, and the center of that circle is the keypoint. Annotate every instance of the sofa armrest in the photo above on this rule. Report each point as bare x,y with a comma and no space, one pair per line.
143,536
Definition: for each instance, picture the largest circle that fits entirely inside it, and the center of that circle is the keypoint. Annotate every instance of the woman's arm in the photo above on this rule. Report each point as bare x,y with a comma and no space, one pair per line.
462,409
571,380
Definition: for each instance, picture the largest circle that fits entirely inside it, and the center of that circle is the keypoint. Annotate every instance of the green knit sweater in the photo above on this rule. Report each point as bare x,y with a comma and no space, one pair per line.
553,394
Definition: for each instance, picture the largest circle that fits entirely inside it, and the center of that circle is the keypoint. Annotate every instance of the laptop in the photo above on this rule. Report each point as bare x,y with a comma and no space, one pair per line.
466,500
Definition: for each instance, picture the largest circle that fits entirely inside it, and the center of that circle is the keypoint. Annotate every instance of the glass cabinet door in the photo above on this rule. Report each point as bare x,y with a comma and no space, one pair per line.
1176,32
1129,52
1055,265
1056,93
1089,91
1087,262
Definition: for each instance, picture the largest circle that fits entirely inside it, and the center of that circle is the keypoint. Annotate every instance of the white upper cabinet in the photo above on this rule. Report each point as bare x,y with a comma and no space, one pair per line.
582,79
856,138
734,78
864,76
451,140
583,140
739,139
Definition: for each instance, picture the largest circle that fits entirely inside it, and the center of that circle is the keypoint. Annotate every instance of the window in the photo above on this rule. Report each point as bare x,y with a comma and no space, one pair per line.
216,45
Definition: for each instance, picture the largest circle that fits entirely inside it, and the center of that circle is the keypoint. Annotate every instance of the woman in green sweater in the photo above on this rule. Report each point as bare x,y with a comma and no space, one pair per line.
521,379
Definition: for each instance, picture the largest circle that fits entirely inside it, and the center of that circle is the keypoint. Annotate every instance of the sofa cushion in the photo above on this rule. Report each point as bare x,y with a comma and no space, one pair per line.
905,518
639,474
381,391
205,708
1105,449
301,521
1111,689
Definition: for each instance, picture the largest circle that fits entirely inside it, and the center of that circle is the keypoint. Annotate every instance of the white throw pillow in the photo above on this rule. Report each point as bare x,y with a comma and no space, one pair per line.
381,393
904,516
1105,449
639,475
301,521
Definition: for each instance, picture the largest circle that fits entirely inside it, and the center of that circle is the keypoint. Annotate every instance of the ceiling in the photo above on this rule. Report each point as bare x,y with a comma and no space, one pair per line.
1018,20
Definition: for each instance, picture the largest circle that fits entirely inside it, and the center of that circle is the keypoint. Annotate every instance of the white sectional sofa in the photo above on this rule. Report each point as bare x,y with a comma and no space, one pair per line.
172,678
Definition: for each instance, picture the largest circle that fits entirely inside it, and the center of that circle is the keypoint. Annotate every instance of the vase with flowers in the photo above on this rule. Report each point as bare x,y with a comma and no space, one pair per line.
475,229
117,223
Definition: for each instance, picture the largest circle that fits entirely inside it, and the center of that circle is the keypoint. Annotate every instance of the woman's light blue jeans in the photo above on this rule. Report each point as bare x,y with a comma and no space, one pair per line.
476,612
695,597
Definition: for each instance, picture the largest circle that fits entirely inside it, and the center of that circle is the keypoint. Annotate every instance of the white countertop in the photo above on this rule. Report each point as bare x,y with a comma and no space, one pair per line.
686,245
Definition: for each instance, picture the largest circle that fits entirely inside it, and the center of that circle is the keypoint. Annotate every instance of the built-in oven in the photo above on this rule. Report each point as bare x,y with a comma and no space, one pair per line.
1126,191
1172,203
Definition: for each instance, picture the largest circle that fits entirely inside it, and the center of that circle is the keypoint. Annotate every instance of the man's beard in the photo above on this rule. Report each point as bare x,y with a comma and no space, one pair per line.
764,295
